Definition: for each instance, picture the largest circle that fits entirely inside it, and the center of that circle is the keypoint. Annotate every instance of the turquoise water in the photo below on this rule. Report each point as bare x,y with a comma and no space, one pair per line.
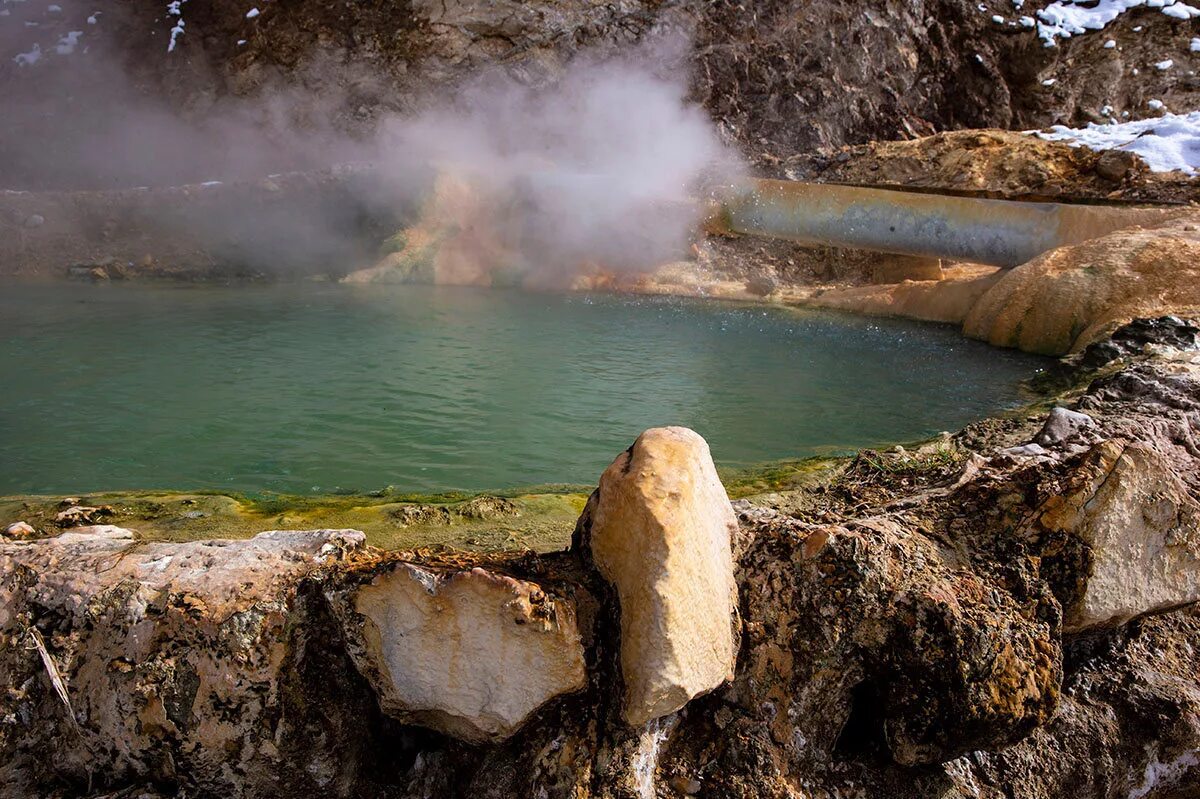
323,388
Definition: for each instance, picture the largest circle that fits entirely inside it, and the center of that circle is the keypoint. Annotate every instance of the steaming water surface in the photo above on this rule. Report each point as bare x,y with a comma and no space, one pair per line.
323,388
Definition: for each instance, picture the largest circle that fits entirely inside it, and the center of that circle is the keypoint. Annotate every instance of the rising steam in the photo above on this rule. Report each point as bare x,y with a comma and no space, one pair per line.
602,167
599,166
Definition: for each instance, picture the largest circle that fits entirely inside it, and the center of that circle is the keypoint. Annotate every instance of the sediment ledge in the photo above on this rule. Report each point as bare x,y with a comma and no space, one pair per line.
1005,611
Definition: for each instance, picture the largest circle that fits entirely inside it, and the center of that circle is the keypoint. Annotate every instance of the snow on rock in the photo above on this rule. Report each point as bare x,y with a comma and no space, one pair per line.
175,9
1166,143
1066,18
66,45
1181,11
30,58
252,13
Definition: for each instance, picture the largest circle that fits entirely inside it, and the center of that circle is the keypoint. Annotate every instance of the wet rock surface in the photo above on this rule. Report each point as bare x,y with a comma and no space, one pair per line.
964,618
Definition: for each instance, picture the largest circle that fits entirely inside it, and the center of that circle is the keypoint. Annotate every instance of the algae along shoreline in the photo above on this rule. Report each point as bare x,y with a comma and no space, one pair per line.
538,518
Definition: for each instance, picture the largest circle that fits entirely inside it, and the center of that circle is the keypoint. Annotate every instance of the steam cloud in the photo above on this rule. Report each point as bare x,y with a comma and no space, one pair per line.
604,164
595,167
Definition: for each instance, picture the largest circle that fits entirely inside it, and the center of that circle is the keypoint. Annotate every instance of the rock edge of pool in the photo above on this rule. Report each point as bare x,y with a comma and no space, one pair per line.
924,619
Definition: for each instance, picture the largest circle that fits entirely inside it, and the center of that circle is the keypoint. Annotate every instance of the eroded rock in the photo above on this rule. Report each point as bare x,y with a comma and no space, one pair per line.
20,530
1070,297
1141,530
468,653
172,657
660,532
1063,425
79,515
868,639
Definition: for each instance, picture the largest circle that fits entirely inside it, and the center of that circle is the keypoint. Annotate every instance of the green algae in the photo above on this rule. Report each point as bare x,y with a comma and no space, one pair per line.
537,521
540,518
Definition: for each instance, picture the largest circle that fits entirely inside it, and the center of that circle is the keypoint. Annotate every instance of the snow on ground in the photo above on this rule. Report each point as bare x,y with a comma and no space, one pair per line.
1066,18
175,9
30,58
66,45
1166,143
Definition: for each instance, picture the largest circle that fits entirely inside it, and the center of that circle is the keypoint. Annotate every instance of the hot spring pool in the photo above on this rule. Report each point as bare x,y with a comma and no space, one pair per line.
321,388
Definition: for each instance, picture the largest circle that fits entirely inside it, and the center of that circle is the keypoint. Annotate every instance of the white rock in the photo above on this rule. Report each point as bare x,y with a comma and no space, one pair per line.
471,653
1142,528
1063,425
20,530
1026,451
661,534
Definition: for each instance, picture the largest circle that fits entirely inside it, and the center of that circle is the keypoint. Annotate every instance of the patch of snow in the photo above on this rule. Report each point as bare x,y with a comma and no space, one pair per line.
1049,82
1017,4
94,18
30,58
66,45
1066,18
1028,22
1167,143
999,20
1163,66
240,42
1181,11
53,9
1156,105
252,13
1110,44
175,9
1195,46
1106,111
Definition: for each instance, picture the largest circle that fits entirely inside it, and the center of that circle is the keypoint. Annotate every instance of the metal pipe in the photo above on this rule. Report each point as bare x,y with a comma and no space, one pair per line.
1001,233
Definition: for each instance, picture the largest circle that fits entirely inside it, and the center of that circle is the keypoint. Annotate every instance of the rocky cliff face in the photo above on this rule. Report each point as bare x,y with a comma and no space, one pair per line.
1008,611
780,77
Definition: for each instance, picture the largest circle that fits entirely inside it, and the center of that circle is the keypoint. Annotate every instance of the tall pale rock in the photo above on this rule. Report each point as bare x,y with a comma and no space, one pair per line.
661,530
469,653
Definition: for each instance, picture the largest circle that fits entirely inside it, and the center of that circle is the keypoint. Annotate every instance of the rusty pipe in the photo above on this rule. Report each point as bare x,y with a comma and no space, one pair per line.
1001,233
